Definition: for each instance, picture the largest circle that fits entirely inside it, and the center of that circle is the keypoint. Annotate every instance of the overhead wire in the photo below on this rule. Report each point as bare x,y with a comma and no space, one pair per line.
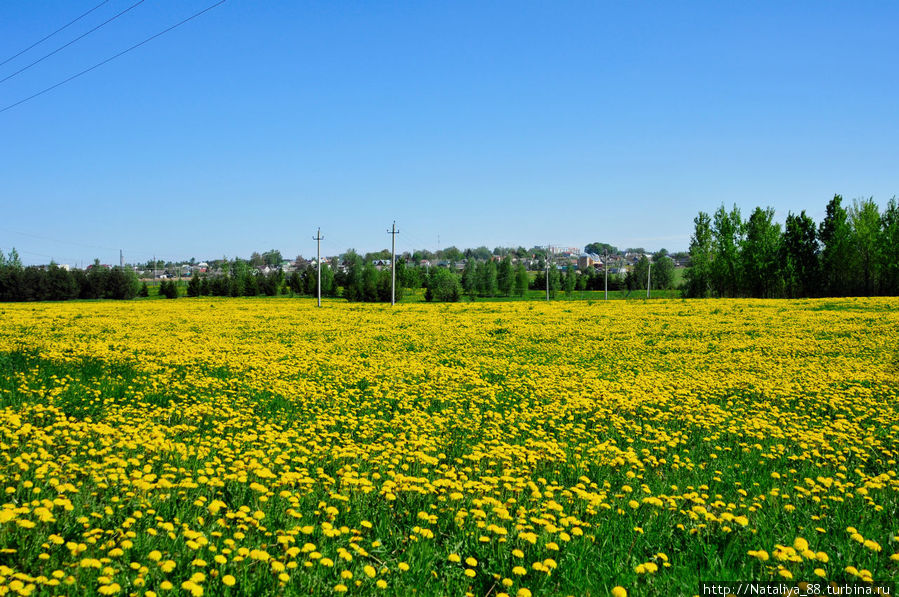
80,37
57,240
45,38
111,58
130,252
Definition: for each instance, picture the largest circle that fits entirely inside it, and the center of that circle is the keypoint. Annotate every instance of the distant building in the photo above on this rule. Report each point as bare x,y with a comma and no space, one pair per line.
588,260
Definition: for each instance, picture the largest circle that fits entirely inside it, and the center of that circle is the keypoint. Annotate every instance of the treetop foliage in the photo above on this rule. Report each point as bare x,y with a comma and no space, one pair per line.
851,252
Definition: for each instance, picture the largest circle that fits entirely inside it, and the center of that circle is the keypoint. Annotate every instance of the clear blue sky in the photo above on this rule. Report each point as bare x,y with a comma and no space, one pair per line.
494,123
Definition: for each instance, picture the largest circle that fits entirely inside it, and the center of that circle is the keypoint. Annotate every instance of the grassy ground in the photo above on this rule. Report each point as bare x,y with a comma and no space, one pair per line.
264,446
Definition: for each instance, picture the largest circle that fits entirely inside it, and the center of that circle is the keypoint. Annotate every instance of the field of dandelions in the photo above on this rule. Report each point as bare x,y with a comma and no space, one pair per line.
264,446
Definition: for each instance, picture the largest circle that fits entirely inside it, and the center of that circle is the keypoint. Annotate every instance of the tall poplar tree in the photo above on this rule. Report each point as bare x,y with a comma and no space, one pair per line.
835,235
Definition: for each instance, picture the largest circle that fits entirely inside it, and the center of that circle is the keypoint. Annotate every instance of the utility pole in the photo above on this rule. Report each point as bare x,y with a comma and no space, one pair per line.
605,262
393,232
154,270
648,277
121,260
547,273
318,238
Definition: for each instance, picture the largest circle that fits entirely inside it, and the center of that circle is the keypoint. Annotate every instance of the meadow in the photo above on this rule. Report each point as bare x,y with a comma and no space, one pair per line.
264,446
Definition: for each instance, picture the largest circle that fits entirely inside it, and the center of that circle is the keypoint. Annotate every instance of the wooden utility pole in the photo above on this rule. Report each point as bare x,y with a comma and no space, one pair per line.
648,277
393,232
605,262
547,273
318,238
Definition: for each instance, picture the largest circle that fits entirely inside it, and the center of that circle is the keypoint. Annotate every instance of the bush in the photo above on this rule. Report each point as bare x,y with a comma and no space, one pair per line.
443,286
194,285
168,289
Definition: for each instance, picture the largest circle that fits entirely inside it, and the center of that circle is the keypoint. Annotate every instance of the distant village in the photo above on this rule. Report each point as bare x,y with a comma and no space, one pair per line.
618,263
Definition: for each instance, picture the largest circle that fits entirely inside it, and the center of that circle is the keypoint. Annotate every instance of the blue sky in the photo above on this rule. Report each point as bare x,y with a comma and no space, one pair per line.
494,123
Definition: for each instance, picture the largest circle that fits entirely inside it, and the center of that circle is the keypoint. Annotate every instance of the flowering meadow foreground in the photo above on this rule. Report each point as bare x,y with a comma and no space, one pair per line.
263,446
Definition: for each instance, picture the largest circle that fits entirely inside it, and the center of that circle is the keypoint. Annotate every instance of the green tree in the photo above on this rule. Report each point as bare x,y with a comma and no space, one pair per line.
600,248
14,261
11,274
483,253
402,276
270,283
889,249
193,286
420,255
760,254
520,286
662,271
727,234
699,277
295,282
555,280
504,275
168,289
121,283
452,254
249,284
384,284
144,291
583,280
220,285
34,284
443,286
469,278
272,258
486,275
352,289
635,279
61,285
538,253
370,277
570,282
96,281
308,277
328,286
411,275
865,221
837,253
382,255
799,257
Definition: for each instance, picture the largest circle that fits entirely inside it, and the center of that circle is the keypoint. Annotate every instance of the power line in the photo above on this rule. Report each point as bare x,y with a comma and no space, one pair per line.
43,39
110,59
56,240
67,242
63,47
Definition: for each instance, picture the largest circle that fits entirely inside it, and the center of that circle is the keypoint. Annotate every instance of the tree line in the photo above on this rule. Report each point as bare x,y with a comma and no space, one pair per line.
854,251
359,280
53,283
